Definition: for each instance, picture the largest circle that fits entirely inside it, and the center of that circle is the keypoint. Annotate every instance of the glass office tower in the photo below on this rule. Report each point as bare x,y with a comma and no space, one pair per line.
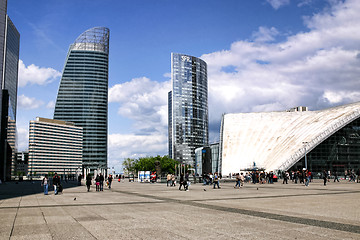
9,62
83,93
188,113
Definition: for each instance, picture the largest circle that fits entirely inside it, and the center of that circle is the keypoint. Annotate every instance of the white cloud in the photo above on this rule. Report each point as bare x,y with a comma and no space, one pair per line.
304,3
144,101
122,146
167,75
33,74
50,105
276,4
318,68
22,138
265,34
28,103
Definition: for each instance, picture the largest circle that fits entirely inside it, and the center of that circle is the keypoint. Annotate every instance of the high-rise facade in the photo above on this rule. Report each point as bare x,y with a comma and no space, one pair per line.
188,107
54,146
83,93
9,61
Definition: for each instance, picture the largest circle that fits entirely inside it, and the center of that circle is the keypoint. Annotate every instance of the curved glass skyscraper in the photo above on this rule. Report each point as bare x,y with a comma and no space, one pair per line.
188,107
83,93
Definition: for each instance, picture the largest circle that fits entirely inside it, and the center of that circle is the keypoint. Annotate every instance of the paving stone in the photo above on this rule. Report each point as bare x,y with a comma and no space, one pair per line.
154,211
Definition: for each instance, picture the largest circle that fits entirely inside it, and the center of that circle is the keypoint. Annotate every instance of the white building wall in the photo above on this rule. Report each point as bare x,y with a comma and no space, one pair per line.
275,140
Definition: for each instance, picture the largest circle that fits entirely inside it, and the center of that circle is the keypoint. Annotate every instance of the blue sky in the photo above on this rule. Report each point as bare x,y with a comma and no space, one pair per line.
262,55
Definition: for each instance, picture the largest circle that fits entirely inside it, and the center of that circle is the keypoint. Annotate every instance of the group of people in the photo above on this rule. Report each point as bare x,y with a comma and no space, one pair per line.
170,180
303,177
352,175
212,179
99,182
55,182
208,179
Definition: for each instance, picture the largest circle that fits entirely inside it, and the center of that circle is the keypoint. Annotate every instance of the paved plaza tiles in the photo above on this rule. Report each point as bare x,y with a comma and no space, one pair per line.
154,211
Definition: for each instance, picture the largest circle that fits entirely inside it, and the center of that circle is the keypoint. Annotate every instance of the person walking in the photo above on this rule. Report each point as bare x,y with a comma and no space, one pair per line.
216,180
336,178
187,182
110,178
286,177
237,185
173,180
79,179
271,177
101,178
168,180
242,179
45,184
97,182
88,181
182,181
307,177
325,176
56,183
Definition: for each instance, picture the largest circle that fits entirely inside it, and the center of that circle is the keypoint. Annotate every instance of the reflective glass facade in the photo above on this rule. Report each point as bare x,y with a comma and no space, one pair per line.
3,17
83,93
339,153
12,63
9,61
207,159
189,107
170,122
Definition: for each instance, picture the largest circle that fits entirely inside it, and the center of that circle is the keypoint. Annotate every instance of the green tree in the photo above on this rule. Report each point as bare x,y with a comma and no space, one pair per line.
129,165
167,164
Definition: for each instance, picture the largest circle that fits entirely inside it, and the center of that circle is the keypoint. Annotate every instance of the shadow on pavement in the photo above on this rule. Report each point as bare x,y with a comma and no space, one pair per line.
19,189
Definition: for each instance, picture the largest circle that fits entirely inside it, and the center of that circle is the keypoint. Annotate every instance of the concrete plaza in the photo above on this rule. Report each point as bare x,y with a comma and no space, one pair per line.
155,211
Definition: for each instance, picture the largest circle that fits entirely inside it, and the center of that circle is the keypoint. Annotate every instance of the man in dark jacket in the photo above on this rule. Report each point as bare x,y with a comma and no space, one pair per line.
110,178
182,181
88,181
101,178
325,177
56,183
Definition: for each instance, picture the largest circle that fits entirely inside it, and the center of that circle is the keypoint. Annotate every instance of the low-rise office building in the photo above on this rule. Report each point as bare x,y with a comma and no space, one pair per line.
55,146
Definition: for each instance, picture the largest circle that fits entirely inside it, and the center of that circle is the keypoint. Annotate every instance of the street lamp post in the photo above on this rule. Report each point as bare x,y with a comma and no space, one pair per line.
305,143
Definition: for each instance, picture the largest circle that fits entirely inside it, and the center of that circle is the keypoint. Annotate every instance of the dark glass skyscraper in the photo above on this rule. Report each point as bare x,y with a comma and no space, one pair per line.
9,61
83,93
188,107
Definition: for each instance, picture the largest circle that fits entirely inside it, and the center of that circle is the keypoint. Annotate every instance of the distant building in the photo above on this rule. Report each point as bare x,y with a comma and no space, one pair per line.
54,146
83,94
11,139
9,61
188,107
21,166
207,159
298,109
329,139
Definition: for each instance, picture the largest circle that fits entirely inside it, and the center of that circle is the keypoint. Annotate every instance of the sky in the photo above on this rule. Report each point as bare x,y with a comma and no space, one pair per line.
262,55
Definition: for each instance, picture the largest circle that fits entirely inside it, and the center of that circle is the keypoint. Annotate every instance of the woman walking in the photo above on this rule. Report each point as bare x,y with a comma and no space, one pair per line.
97,183
45,184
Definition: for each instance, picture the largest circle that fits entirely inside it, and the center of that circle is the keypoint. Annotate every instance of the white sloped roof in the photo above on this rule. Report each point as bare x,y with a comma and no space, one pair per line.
274,140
